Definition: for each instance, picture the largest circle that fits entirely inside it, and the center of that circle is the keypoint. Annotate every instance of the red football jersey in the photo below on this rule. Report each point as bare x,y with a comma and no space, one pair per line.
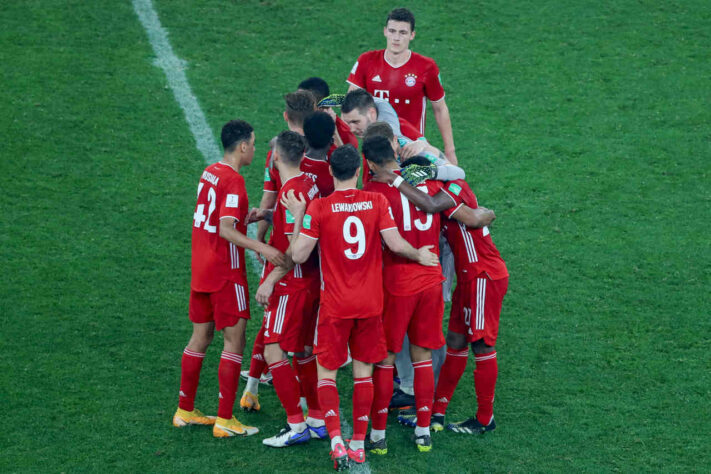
348,225
474,250
221,195
319,171
301,276
345,133
403,276
408,130
406,87
272,181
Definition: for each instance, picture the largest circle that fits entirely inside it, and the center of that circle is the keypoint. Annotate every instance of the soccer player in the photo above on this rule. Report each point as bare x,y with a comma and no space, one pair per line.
219,298
413,301
349,227
404,78
318,129
298,106
359,111
482,281
319,88
287,293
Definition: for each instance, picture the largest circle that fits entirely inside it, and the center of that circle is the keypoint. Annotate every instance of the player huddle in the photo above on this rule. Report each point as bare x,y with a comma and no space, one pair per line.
348,273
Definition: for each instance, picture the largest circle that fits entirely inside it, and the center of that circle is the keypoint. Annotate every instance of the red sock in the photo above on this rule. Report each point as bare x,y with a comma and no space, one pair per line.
362,403
228,375
485,384
328,399
424,391
383,392
257,363
189,378
287,389
308,378
449,375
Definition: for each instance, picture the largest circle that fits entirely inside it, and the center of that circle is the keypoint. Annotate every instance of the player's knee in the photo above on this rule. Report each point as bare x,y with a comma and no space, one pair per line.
456,341
418,354
273,353
480,347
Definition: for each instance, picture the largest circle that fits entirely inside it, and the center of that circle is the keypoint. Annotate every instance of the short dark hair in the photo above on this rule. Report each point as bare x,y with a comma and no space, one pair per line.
299,105
357,99
234,132
379,129
291,147
318,130
317,86
345,161
402,14
378,150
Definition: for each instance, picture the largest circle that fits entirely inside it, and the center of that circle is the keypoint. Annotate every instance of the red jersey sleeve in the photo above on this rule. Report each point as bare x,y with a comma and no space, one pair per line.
457,191
270,175
357,77
408,130
311,226
385,214
345,133
233,200
433,84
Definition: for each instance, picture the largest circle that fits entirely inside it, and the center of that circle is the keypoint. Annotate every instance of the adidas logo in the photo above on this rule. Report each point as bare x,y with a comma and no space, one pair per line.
363,418
330,413
258,357
443,400
220,395
423,409
377,78
384,410
182,394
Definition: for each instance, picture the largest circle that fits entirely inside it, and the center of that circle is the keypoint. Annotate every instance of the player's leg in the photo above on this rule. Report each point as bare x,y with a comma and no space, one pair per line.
305,364
200,312
484,331
257,365
382,393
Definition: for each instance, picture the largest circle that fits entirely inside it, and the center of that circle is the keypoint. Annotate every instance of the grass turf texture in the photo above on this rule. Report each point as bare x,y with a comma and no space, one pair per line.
585,126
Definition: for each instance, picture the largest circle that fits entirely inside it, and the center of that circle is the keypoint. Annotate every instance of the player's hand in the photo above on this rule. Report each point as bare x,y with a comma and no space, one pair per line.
384,176
488,215
255,214
451,156
264,292
426,257
274,256
297,206
412,149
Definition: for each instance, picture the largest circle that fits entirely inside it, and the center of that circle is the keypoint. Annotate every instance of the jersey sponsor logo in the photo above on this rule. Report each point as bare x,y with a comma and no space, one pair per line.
355,68
266,175
232,200
455,188
289,217
410,80
307,222
382,94
351,206
377,78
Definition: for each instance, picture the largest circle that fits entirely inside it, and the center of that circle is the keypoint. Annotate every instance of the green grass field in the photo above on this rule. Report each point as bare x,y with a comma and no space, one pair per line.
585,125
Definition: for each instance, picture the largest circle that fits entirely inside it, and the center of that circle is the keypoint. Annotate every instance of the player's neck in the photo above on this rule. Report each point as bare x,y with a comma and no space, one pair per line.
391,166
347,184
295,128
287,172
397,59
316,154
233,161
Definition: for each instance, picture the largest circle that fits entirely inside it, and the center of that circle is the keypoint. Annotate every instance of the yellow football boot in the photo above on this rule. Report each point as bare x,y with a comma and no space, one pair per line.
195,417
226,428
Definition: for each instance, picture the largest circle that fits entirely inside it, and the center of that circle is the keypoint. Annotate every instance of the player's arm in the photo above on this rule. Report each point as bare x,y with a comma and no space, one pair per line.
265,290
352,87
229,233
300,246
474,218
395,242
444,123
266,205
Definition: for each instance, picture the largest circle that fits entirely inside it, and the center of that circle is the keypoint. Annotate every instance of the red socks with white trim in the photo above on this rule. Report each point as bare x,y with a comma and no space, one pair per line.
287,389
228,376
191,364
424,392
454,365
485,376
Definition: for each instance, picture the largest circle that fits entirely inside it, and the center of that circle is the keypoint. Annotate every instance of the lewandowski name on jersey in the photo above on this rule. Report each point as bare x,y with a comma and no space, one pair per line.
351,206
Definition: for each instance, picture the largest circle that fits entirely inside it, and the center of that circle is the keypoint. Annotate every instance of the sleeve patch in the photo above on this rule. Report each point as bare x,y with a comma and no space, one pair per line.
289,217
355,68
266,175
307,222
455,189
232,200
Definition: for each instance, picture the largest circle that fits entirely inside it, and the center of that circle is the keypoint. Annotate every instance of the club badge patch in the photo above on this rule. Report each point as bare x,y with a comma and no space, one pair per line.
410,80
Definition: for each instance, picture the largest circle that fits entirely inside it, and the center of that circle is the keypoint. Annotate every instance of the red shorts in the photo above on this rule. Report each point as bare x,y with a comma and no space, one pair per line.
364,337
419,315
476,307
225,307
288,319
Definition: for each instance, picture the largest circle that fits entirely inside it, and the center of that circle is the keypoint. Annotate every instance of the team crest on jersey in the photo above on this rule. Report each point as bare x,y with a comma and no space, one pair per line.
307,222
232,200
410,80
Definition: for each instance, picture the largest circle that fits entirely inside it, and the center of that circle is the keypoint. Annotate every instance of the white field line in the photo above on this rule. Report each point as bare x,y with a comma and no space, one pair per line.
174,69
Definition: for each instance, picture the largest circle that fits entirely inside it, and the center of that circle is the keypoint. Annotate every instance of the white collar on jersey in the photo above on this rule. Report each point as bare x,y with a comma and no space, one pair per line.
385,56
